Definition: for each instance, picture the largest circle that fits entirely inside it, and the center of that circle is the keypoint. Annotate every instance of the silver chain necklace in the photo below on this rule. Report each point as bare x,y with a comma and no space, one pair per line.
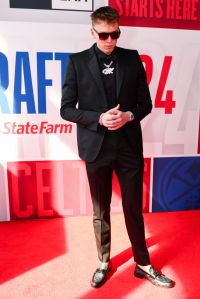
108,70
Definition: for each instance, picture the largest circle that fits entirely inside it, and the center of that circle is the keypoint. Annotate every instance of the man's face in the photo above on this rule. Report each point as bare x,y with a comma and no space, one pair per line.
107,45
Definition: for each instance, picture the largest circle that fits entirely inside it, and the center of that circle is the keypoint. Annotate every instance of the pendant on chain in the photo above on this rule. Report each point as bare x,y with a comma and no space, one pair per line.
108,70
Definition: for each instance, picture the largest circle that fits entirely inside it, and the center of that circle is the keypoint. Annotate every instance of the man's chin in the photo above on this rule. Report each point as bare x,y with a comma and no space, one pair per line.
108,49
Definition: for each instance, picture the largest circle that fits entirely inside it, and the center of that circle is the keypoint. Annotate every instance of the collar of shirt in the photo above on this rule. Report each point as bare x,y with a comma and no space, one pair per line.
105,57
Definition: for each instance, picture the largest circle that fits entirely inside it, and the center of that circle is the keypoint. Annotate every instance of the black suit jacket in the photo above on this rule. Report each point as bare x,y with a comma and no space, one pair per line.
84,98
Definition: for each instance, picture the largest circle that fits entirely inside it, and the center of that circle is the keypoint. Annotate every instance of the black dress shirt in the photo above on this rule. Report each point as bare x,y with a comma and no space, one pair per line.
109,80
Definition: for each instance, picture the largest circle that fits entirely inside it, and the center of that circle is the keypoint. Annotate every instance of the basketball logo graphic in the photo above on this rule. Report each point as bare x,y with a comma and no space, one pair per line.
176,184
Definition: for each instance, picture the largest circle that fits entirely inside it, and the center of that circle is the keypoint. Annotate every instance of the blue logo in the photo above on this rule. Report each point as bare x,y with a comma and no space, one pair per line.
176,184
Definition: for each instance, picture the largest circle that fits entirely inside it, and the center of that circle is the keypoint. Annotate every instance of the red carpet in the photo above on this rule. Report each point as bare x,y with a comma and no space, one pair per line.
55,258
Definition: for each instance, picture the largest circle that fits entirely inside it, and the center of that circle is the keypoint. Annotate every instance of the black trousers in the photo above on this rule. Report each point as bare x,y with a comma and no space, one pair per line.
116,154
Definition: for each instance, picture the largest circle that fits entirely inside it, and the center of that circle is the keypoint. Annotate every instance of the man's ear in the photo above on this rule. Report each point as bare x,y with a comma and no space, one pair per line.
92,32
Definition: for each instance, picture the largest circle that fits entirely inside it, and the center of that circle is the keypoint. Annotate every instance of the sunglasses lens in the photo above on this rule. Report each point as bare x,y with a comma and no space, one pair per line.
115,34
105,35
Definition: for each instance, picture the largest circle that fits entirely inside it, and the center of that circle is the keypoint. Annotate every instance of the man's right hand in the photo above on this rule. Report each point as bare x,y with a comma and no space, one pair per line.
109,116
114,119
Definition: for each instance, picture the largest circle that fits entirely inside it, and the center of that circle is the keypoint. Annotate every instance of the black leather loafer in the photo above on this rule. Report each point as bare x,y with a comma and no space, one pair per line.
100,275
154,277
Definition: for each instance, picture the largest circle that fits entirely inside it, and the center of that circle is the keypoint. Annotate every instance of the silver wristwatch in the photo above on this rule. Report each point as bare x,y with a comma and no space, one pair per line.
131,115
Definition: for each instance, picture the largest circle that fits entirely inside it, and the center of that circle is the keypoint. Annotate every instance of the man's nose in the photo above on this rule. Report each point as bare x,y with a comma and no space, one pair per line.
109,39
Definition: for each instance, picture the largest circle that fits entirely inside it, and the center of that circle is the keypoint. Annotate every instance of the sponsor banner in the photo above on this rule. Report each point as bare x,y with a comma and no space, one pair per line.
49,11
33,60
81,5
172,127
176,184
46,189
182,14
30,96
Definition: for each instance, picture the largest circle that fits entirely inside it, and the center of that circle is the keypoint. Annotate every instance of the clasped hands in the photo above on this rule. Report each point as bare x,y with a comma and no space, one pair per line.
114,119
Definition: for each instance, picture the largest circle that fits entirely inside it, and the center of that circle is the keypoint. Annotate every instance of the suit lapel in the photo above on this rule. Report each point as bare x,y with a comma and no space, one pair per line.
95,72
119,72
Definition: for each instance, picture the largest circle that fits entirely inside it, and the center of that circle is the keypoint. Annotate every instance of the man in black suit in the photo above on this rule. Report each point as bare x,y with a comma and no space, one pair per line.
109,85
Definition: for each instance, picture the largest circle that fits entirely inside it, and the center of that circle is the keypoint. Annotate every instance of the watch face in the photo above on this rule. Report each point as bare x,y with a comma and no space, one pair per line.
131,116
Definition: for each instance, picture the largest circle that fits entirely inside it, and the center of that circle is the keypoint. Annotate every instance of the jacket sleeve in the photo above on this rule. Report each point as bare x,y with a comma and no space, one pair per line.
69,100
144,103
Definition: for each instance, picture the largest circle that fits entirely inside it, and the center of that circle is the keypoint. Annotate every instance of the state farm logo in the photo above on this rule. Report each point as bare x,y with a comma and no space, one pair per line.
81,5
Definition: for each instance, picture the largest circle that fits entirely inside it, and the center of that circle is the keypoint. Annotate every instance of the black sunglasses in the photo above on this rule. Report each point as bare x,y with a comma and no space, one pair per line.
105,35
